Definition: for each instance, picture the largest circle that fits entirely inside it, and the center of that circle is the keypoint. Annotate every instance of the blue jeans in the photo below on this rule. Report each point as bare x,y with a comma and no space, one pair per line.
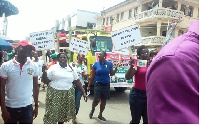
22,115
78,95
138,106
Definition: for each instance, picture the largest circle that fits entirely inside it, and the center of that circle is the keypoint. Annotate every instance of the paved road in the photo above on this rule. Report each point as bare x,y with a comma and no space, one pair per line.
116,112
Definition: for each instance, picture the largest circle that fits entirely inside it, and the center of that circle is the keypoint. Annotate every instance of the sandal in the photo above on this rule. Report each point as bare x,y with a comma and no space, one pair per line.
102,118
74,121
91,114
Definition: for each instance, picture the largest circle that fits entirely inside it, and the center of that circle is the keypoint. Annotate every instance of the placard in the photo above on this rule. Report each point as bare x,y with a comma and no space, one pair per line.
124,51
79,46
126,37
42,40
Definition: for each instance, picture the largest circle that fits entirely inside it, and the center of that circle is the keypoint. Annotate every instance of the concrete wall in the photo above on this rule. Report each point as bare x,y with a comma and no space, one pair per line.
82,17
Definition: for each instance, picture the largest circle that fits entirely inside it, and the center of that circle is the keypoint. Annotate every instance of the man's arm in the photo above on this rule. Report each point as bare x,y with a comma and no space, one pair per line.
35,95
5,113
172,88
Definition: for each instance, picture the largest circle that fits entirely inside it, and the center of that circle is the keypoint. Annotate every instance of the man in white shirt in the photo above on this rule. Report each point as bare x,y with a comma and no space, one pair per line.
19,80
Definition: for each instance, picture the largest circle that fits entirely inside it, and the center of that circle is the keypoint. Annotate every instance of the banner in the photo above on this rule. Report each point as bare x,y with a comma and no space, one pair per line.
42,40
119,79
79,46
126,37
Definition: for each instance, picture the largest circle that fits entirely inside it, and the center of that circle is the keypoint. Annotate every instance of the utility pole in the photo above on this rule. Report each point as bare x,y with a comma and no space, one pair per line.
70,36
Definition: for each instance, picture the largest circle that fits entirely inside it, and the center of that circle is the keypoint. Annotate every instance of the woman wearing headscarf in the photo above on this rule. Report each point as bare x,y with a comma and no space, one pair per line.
60,100
101,72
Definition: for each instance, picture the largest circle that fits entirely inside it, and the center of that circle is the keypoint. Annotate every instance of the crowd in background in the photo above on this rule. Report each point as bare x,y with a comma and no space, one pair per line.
165,91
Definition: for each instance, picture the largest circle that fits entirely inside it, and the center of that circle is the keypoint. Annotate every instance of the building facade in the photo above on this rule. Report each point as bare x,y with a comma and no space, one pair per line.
152,16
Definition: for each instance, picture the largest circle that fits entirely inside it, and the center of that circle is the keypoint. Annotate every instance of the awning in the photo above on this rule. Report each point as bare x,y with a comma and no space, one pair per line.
4,45
7,38
7,8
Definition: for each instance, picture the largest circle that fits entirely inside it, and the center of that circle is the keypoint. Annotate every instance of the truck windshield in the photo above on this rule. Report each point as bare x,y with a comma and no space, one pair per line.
103,43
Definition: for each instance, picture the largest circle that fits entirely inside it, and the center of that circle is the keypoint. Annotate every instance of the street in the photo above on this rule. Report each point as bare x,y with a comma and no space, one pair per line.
116,112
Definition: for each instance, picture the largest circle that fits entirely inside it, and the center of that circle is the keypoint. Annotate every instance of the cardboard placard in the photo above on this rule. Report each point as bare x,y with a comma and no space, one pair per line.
42,40
124,51
79,46
126,37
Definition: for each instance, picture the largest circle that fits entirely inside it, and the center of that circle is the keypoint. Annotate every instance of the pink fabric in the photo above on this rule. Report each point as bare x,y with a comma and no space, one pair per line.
140,78
62,35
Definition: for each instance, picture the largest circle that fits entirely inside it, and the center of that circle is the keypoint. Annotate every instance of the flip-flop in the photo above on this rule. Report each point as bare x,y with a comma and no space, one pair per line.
74,121
91,114
102,118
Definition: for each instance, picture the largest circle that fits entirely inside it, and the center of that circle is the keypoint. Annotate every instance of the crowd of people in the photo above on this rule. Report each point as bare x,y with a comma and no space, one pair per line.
165,91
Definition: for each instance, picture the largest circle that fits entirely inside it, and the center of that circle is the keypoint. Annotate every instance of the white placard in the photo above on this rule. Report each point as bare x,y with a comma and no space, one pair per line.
42,40
126,37
124,51
79,46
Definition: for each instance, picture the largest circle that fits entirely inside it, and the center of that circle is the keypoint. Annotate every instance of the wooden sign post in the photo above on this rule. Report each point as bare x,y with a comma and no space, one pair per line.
79,46
120,56
44,57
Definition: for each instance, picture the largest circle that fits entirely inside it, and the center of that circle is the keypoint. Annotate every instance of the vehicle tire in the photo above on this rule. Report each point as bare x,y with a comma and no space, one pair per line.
120,89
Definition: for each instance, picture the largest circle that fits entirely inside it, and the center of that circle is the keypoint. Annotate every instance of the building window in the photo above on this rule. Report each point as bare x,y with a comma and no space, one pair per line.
135,11
117,20
107,20
122,16
164,33
183,8
130,14
111,20
190,11
103,21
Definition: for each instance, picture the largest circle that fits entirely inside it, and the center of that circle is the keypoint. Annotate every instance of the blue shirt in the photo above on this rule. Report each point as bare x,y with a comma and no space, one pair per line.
102,71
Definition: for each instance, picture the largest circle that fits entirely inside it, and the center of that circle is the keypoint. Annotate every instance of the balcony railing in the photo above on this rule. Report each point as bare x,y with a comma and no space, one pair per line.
161,13
152,41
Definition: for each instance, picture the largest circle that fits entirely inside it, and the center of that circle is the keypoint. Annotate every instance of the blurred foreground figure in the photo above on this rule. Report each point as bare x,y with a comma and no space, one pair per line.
172,81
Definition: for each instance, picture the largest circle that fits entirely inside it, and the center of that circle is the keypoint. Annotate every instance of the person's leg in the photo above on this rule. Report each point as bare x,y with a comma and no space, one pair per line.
95,103
78,95
136,107
105,94
27,115
102,106
13,116
144,113
97,95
